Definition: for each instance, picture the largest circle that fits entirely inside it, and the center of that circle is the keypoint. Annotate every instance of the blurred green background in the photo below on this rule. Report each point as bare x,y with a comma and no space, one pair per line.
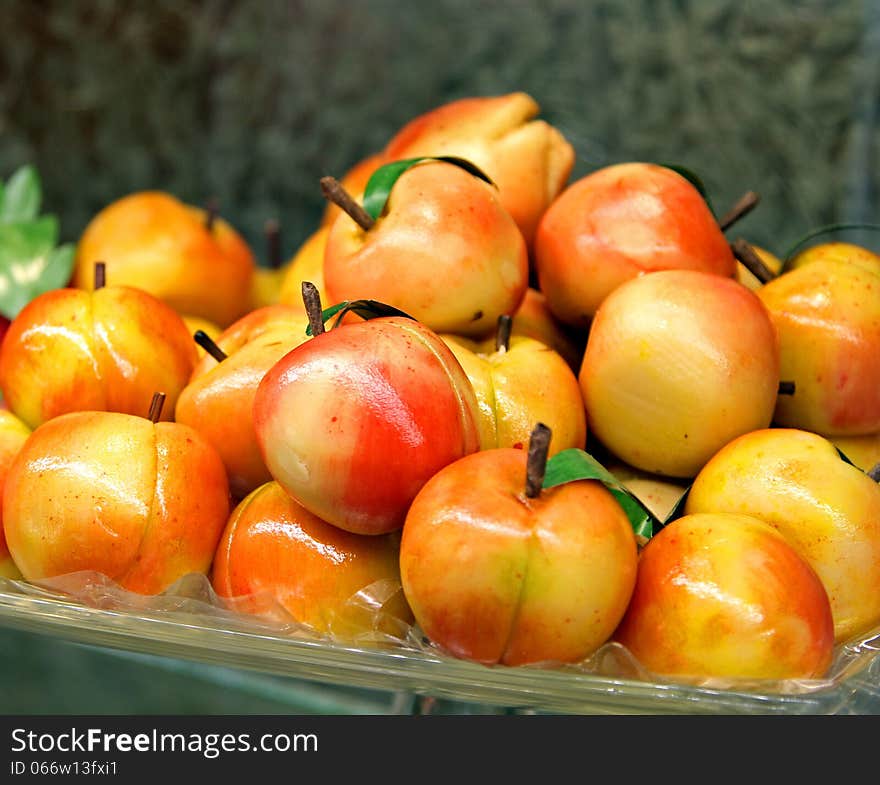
252,102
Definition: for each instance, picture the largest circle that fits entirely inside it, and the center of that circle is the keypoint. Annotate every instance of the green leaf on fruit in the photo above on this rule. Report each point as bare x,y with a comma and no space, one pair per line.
576,464
366,309
20,197
694,180
383,179
827,229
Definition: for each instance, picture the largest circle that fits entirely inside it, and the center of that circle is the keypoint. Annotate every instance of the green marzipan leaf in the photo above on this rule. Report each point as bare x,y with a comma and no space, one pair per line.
383,179
827,229
366,309
30,265
27,238
576,464
21,196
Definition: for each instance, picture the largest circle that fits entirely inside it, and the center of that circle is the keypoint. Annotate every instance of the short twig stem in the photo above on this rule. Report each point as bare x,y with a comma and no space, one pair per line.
502,333
207,343
156,406
744,205
751,261
334,192
312,301
536,465
100,275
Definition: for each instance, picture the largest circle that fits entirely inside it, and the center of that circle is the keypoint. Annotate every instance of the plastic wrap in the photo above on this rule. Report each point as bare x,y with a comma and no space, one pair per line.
191,621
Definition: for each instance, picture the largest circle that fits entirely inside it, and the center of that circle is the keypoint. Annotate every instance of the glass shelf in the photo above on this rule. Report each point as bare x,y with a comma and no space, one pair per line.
224,638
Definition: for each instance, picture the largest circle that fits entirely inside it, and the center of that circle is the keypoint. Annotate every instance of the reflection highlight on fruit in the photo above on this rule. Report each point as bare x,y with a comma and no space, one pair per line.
274,550
721,595
139,501
827,316
443,230
498,570
828,510
354,421
107,350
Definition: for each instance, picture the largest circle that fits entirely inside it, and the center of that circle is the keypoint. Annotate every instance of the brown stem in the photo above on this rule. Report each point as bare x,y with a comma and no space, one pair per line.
536,465
744,205
312,301
211,210
786,388
334,192
874,472
502,333
752,262
100,275
207,343
156,406
272,230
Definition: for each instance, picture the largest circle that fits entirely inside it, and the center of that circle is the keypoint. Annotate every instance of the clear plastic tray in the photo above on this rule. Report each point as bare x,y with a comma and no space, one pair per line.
188,622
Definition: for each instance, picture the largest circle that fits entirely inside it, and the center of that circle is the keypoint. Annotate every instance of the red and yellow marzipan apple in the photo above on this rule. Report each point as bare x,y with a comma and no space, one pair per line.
218,400
678,363
529,159
445,251
616,224
155,242
353,422
13,435
828,510
827,315
274,549
106,350
497,577
143,503
720,595
519,384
